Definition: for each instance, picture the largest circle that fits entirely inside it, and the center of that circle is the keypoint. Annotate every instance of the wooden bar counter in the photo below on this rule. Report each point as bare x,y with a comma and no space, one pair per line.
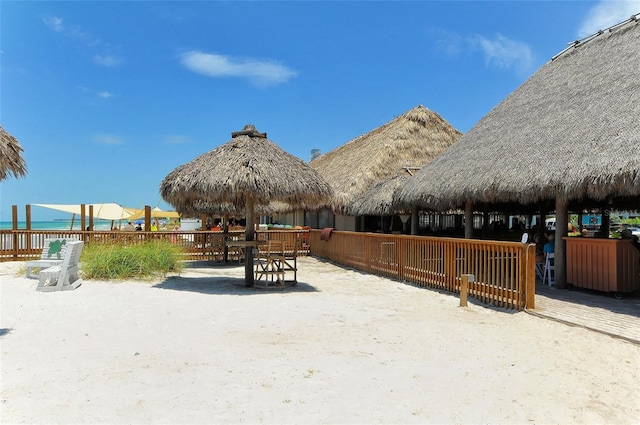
608,265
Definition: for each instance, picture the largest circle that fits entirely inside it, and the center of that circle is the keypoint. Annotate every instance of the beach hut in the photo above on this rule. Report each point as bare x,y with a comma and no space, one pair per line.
11,161
246,171
569,135
408,141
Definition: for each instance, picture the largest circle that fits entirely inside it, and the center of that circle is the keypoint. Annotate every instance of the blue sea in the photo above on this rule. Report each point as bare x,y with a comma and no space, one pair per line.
57,225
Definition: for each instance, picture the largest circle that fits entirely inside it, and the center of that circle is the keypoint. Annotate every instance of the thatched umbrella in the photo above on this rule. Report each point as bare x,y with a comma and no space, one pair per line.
11,161
248,170
570,132
410,140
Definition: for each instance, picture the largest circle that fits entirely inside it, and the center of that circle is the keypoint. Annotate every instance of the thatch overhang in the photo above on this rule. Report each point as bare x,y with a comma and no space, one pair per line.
249,165
570,131
11,161
410,140
379,199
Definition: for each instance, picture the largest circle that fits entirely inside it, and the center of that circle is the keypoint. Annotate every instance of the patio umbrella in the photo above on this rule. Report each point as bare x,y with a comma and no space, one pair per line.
11,161
248,170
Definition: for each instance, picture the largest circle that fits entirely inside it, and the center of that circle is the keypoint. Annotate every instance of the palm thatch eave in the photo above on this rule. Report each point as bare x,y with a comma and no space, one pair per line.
570,131
11,161
246,166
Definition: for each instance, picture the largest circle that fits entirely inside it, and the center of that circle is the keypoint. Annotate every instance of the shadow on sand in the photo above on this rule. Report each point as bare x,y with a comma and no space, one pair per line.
209,283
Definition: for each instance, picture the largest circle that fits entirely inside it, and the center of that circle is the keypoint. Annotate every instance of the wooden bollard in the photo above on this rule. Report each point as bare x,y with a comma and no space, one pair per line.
464,288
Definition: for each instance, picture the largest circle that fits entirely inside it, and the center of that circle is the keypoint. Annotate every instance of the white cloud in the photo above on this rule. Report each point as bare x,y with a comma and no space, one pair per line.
607,13
500,51
176,139
259,72
54,23
102,94
85,38
504,52
108,139
107,60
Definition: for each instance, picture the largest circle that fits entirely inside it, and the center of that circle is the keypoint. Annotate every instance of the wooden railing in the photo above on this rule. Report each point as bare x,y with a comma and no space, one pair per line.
22,245
504,272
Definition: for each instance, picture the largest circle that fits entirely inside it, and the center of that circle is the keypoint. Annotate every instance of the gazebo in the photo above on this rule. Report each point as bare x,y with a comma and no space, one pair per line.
246,171
569,135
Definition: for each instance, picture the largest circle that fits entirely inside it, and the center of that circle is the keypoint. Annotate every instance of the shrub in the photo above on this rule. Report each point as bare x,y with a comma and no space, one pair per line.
119,261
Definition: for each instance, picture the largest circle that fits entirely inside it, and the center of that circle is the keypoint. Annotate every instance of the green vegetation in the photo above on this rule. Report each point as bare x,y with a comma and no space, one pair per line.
119,261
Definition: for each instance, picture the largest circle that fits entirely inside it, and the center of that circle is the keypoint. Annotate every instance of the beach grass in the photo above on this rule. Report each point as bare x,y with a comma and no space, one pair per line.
118,261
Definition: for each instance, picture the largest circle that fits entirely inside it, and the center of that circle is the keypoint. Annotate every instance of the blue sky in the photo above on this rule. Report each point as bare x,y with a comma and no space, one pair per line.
107,97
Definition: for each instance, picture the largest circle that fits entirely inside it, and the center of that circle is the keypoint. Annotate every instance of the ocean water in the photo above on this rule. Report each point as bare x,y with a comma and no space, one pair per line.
57,225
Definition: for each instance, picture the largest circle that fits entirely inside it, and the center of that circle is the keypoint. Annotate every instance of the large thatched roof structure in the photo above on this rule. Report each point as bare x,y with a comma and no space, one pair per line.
410,140
571,131
379,199
11,161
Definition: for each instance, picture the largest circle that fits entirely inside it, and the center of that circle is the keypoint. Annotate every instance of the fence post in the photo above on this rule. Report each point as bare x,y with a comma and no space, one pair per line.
464,288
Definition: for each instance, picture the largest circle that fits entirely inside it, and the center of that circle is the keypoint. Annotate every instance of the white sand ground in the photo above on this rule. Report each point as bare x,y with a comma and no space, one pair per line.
341,347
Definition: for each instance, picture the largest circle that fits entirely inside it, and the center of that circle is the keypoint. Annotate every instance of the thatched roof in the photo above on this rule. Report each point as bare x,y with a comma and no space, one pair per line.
572,130
410,140
379,199
11,161
248,165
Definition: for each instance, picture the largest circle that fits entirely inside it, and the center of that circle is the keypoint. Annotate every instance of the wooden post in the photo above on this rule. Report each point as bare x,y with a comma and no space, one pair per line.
147,218
14,226
83,218
90,218
468,220
560,278
464,288
414,221
528,276
28,222
250,231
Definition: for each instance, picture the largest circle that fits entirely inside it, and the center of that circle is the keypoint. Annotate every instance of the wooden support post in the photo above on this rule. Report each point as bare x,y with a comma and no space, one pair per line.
28,222
14,226
464,288
83,218
468,220
414,221
250,231
147,218
560,277
90,218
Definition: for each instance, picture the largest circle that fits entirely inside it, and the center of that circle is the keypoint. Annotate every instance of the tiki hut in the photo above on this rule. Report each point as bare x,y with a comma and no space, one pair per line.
569,134
11,161
248,170
410,140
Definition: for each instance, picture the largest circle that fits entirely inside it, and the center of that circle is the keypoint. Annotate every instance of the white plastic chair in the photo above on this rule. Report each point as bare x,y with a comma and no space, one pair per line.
52,255
549,269
64,276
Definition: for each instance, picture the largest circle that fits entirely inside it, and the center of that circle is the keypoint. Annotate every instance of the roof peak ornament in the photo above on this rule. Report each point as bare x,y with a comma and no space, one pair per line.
249,130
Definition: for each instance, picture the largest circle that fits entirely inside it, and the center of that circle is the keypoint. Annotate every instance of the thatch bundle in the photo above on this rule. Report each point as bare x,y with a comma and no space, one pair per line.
249,165
570,131
379,199
11,161
410,140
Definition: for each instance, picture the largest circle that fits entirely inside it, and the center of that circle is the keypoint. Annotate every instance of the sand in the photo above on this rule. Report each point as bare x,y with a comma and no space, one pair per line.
342,347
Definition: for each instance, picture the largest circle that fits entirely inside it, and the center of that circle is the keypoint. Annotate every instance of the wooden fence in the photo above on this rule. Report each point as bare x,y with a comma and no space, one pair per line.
22,245
504,271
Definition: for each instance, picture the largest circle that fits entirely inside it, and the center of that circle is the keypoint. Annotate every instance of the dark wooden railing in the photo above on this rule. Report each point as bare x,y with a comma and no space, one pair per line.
504,272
